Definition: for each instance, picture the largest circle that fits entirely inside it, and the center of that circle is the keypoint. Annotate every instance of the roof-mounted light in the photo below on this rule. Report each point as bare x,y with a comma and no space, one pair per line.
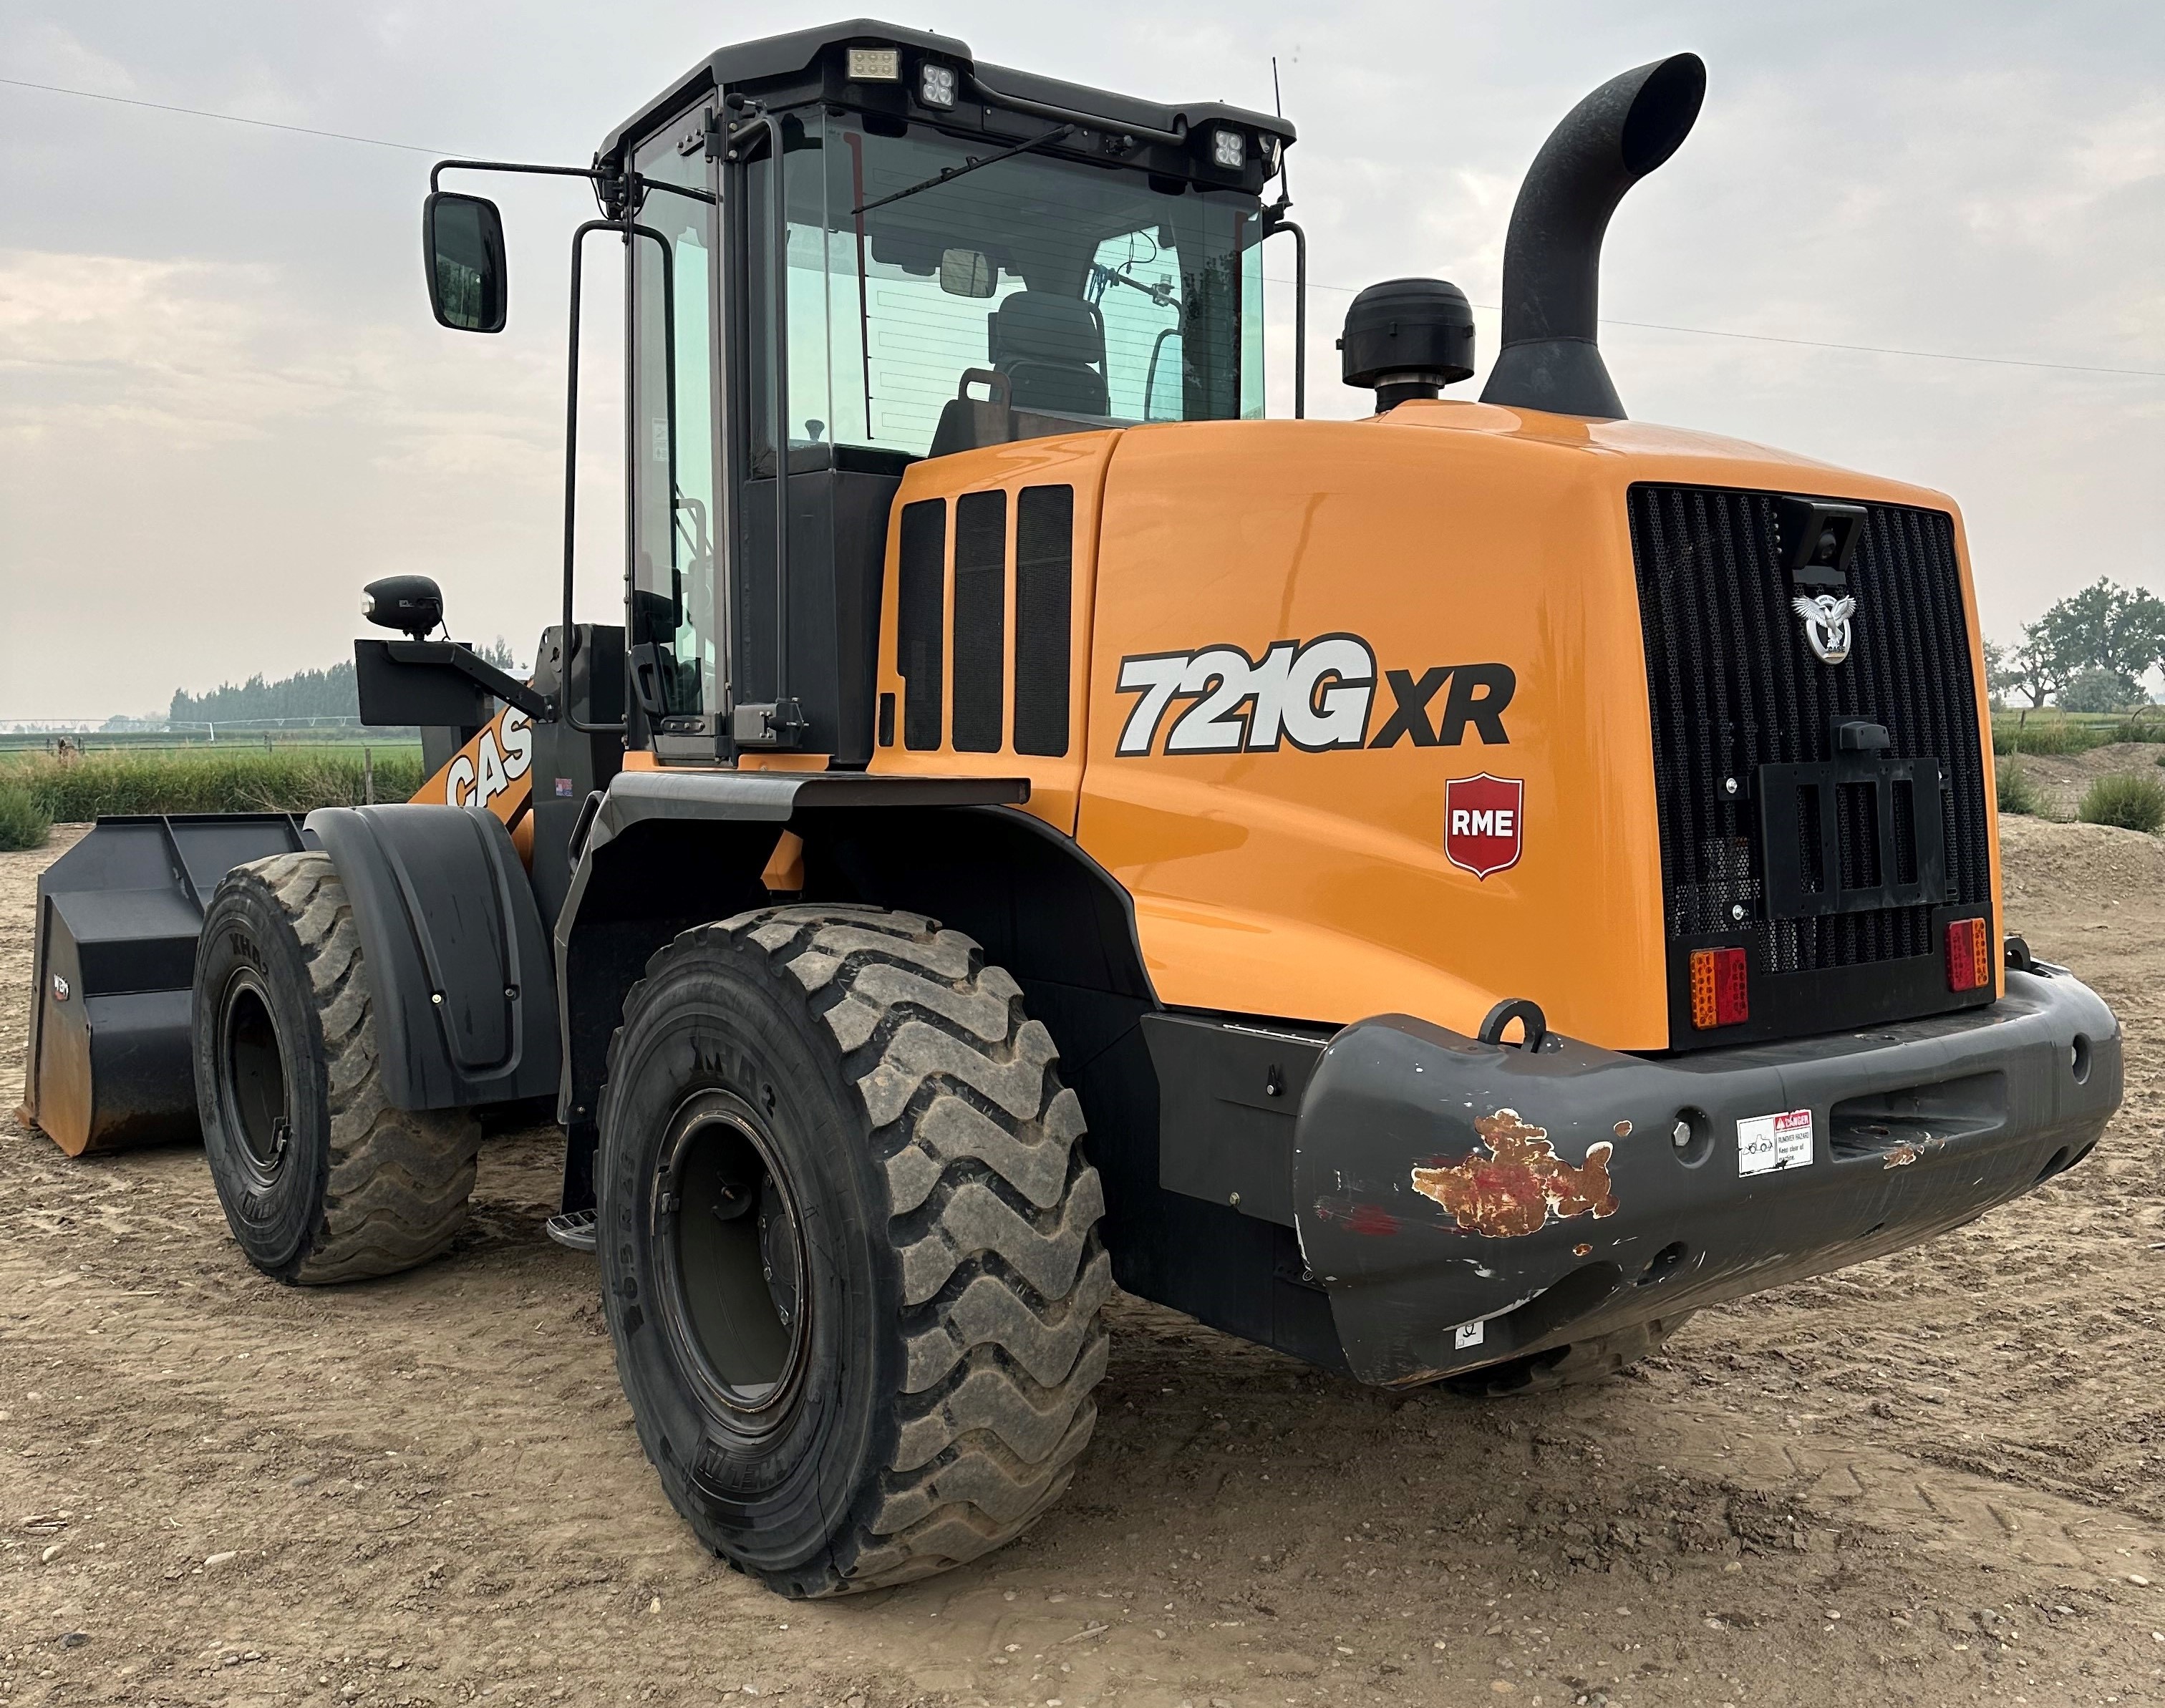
875,65
936,84
1229,149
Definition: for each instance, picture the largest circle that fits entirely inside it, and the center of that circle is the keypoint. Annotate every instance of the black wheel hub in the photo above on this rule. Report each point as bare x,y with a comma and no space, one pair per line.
730,1250
251,1090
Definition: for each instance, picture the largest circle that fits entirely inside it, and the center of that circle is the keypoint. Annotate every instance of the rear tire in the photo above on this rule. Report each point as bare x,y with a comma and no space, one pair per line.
321,1178
849,1247
1580,1364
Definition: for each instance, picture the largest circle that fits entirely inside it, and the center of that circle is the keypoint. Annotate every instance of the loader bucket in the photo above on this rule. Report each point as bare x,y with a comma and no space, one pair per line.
109,1065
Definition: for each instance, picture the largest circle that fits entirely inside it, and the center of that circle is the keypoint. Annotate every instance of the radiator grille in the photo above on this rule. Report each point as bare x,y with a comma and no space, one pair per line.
980,615
1044,573
920,618
1733,685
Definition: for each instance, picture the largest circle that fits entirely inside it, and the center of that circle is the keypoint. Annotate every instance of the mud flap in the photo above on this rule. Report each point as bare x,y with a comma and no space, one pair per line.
109,1063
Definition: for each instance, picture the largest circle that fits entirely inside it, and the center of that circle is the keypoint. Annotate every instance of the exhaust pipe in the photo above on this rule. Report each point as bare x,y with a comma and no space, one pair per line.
1551,357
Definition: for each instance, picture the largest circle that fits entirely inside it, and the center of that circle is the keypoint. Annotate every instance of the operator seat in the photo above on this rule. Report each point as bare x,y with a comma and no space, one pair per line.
1052,349
1049,352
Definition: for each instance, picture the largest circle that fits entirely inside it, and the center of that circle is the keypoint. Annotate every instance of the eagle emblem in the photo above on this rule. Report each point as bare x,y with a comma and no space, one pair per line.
1826,625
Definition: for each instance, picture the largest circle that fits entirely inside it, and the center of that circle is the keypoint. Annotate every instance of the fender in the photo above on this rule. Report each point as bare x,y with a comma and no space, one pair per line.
661,852
464,987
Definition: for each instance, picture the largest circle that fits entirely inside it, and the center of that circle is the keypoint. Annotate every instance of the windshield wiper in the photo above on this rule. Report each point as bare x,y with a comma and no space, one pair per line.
937,179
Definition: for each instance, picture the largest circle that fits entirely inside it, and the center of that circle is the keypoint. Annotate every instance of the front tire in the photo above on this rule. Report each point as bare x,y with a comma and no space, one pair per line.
848,1246
320,1178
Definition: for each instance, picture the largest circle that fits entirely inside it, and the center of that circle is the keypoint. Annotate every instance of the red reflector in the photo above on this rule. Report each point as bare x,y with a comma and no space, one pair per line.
1720,989
1969,955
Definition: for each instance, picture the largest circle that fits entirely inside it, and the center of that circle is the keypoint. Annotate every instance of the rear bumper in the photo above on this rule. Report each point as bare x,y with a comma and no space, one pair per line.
1450,1237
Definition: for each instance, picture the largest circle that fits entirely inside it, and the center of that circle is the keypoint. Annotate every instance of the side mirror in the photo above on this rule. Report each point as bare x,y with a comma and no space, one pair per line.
463,244
411,604
966,272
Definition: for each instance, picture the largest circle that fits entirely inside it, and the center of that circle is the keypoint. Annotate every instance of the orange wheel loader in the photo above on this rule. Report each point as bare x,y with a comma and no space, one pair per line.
1444,895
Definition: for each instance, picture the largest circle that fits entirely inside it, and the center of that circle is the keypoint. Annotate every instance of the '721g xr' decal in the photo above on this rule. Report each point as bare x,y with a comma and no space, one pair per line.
1316,694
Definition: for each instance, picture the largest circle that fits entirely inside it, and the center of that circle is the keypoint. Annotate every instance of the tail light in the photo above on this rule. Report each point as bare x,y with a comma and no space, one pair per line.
1720,988
1969,955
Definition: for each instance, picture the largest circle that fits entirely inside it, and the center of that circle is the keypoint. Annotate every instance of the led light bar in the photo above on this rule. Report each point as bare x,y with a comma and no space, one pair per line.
875,65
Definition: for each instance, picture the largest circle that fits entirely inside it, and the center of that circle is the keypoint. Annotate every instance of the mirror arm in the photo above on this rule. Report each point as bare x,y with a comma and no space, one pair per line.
436,171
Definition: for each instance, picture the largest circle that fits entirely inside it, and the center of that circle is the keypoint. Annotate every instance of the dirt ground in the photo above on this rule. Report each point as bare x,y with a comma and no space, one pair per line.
1938,1477
2061,779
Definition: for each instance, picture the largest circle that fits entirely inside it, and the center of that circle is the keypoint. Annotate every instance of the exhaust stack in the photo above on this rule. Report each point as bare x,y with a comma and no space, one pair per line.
1551,357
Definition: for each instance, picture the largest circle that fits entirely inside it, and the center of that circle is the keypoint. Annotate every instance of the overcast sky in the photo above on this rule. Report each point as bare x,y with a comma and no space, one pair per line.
223,405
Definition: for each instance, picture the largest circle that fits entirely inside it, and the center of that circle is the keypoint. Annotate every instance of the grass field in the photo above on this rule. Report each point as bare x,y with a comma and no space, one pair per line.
2048,730
223,779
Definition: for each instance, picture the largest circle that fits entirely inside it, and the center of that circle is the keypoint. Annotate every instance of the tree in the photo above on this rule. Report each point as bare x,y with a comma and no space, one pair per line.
2002,675
2106,627
2037,667
2096,688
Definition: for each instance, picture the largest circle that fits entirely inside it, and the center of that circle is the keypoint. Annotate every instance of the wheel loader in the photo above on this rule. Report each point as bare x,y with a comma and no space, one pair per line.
1444,895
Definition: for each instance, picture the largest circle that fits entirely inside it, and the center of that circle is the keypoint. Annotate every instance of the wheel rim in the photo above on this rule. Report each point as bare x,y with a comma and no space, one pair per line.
253,1101
730,1244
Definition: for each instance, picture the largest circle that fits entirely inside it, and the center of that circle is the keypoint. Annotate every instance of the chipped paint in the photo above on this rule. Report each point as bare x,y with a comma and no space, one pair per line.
1623,1129
1521,1183
1581,1250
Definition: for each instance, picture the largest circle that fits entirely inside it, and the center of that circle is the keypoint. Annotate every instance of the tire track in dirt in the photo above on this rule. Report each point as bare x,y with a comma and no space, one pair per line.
428,1486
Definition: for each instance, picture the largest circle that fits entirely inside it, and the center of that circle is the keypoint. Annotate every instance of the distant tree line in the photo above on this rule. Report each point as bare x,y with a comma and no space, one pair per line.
2088,653
304,695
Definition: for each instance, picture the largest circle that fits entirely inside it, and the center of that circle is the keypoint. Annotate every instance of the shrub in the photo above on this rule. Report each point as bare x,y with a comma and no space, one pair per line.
2129,799
292,780
2052,734
22,822
2017,793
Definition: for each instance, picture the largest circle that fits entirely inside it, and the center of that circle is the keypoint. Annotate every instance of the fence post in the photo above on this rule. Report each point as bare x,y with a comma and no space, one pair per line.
367,777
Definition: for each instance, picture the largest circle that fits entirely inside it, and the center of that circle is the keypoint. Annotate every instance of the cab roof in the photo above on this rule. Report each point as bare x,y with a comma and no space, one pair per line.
789,67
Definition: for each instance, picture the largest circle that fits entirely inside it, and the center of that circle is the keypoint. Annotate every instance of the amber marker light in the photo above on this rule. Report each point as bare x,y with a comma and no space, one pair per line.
1969,955
1720,988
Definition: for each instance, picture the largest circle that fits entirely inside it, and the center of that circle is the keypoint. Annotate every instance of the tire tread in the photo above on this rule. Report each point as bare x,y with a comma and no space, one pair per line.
993,1219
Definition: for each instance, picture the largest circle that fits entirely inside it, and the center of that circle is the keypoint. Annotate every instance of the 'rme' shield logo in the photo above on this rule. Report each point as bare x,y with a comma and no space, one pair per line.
1826,624
1483,820
59,988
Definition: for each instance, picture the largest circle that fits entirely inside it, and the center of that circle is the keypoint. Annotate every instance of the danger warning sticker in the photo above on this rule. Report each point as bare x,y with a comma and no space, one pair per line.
1765,1142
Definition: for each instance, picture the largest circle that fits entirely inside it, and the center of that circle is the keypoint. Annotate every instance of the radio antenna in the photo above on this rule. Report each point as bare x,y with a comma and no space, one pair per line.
1278,101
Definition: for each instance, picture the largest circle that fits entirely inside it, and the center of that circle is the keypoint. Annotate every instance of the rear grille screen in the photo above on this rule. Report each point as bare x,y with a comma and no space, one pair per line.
921,619
980,615
1044,573
1734,687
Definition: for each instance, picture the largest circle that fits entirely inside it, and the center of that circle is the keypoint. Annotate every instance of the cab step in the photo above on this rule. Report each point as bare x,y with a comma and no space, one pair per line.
575,1230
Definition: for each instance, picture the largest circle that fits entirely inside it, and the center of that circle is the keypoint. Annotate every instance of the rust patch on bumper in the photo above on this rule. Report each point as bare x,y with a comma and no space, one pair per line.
1521,1183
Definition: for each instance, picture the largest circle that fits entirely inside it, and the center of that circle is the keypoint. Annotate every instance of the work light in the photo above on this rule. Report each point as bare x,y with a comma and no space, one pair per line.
1228,148
936,85
875,65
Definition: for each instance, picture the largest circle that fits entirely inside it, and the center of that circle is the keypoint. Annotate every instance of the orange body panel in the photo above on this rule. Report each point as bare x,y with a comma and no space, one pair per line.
495,769
1078,461
1314,884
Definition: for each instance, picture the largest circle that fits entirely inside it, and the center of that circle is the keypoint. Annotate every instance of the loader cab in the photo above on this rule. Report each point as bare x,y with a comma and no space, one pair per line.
962,257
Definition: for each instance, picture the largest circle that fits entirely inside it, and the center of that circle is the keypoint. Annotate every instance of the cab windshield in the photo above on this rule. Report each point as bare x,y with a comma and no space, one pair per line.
1094,292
